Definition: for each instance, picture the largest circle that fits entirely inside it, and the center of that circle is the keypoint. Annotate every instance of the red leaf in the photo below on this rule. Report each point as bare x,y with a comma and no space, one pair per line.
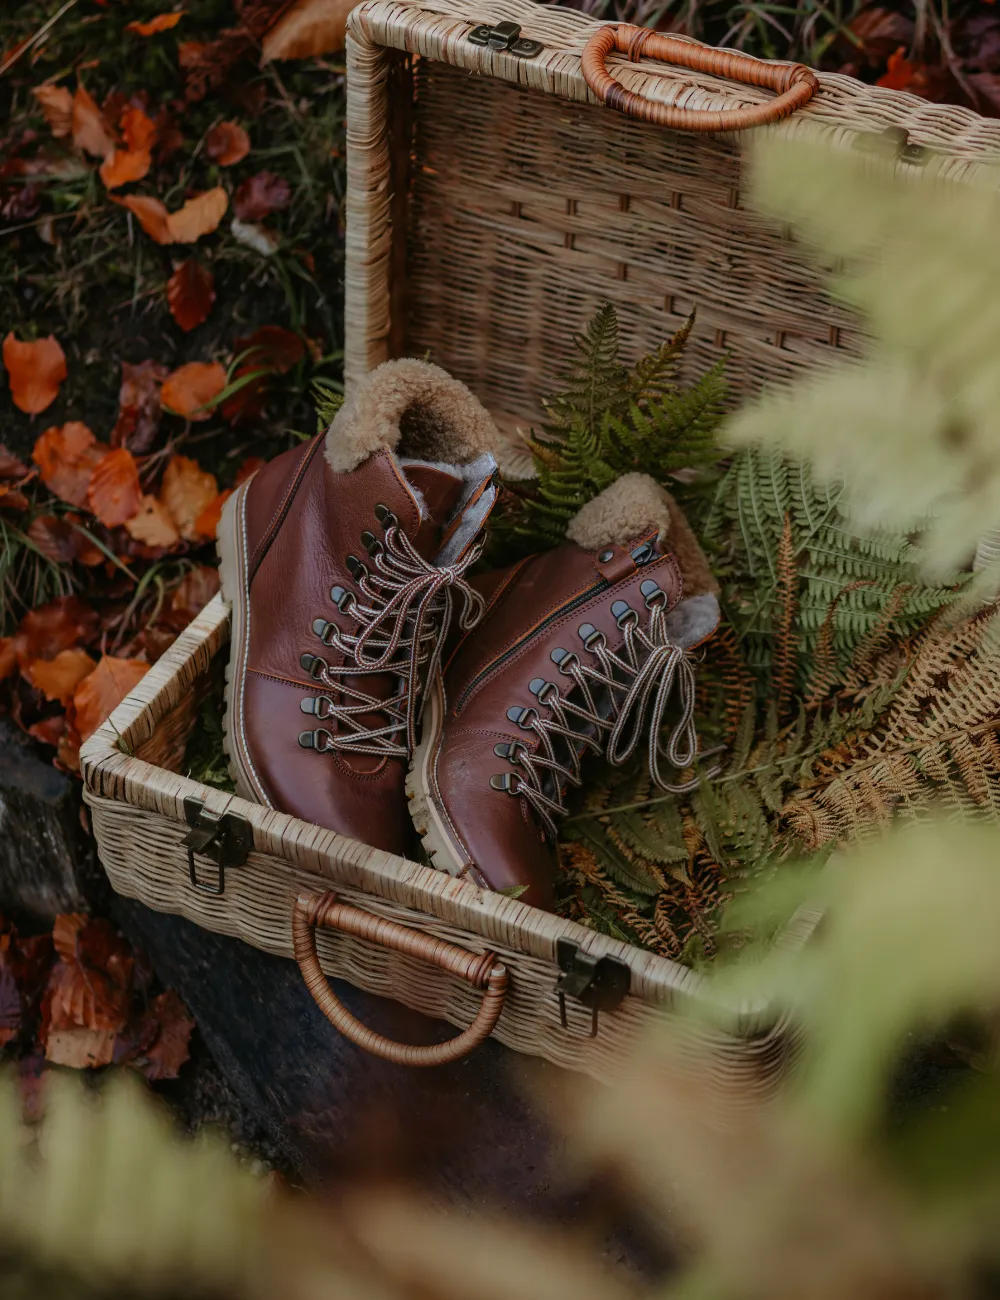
171,1047
10,1003
191,595
8,657
103,690
139,406
227,144
55,537
66,456
114,494
261,195
36,372
190,294
50,730
271,348
62,623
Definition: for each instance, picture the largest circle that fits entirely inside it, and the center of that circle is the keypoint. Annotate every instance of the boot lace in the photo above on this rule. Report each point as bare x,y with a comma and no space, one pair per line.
609,708
401,619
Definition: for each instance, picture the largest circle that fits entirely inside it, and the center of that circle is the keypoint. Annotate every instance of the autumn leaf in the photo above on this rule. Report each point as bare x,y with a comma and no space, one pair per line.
66,456
49,731
153,525
899,71
56,104
123,166
51,628
190,294
56,538
8,657
36,372
80,1049
58,678
139,406
90,130
10,1003
309,28
189,391
187,490
260,195
12,499
227,144
161,23
171,1047
272,348
114,493
138,128
103,690
207,523
199,216
191,595
11,466
151,214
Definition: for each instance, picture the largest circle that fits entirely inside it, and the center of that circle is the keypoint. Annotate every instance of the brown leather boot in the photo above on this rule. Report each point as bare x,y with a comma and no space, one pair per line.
581,651
344,561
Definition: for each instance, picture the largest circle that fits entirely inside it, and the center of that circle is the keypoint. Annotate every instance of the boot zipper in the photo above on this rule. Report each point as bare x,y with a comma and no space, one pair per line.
581,599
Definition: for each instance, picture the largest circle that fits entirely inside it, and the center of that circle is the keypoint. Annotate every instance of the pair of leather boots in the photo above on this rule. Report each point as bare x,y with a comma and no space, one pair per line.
369,669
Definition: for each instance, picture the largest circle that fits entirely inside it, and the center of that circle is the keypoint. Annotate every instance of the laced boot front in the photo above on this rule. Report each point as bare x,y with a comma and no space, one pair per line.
587,650
344,563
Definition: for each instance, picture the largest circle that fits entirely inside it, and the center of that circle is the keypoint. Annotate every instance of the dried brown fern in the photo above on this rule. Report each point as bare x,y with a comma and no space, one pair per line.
936,746
784,655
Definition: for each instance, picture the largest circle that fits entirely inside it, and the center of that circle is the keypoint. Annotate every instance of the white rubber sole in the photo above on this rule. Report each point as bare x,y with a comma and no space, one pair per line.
428,817
231,545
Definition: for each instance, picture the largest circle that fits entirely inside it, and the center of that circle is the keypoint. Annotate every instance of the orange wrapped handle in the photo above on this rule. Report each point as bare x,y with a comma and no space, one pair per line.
482,970
794,83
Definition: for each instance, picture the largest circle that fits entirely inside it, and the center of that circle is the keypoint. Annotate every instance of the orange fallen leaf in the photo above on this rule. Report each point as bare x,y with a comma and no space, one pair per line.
190,390
36,372
49,731
138,128
90,131
114,494
309,28
227,144
161,23
171,1047
899,71
190,294
103,690
123,166
58,678
153,524
199,216
79,1048
56,104
66,456
207,523
187,490
151,215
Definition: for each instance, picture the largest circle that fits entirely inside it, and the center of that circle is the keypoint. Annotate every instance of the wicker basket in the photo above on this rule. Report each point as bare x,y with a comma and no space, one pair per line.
485,247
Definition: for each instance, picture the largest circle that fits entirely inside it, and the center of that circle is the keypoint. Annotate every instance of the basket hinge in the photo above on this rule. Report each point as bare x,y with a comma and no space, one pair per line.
600,983
226,838
507,38
892,143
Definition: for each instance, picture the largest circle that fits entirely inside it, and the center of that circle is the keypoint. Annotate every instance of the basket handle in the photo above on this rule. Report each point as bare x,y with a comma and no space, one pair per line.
482,970
794,83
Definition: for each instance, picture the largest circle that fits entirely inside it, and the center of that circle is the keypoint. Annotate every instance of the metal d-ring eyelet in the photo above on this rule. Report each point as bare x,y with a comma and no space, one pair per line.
355,568
623,613
341,598
385,516
653,594
521,717
504,781
320,706
325,630
591,638
314,666
316,740
371,544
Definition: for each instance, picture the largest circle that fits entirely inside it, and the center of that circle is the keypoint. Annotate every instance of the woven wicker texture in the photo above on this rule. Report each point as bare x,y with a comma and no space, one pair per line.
138,817
498,241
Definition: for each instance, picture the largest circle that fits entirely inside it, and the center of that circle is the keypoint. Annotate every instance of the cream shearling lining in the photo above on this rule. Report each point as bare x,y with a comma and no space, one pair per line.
414,408
632,507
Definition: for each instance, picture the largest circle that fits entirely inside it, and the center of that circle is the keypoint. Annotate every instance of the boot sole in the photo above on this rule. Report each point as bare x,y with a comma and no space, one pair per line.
231,545
426,811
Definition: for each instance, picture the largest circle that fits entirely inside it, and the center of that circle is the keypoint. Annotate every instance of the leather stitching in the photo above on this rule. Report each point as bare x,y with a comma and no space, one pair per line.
261,549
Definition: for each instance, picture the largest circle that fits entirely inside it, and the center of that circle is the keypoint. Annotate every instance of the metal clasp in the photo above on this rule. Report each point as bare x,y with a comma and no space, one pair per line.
893,143
600,983
226,838
507,38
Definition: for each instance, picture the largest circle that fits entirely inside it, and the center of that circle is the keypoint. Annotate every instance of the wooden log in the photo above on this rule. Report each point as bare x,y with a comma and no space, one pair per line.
470,1131
47,859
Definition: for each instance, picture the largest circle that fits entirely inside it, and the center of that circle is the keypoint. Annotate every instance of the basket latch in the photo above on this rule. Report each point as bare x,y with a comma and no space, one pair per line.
600,983
894,144
507,38
226,838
